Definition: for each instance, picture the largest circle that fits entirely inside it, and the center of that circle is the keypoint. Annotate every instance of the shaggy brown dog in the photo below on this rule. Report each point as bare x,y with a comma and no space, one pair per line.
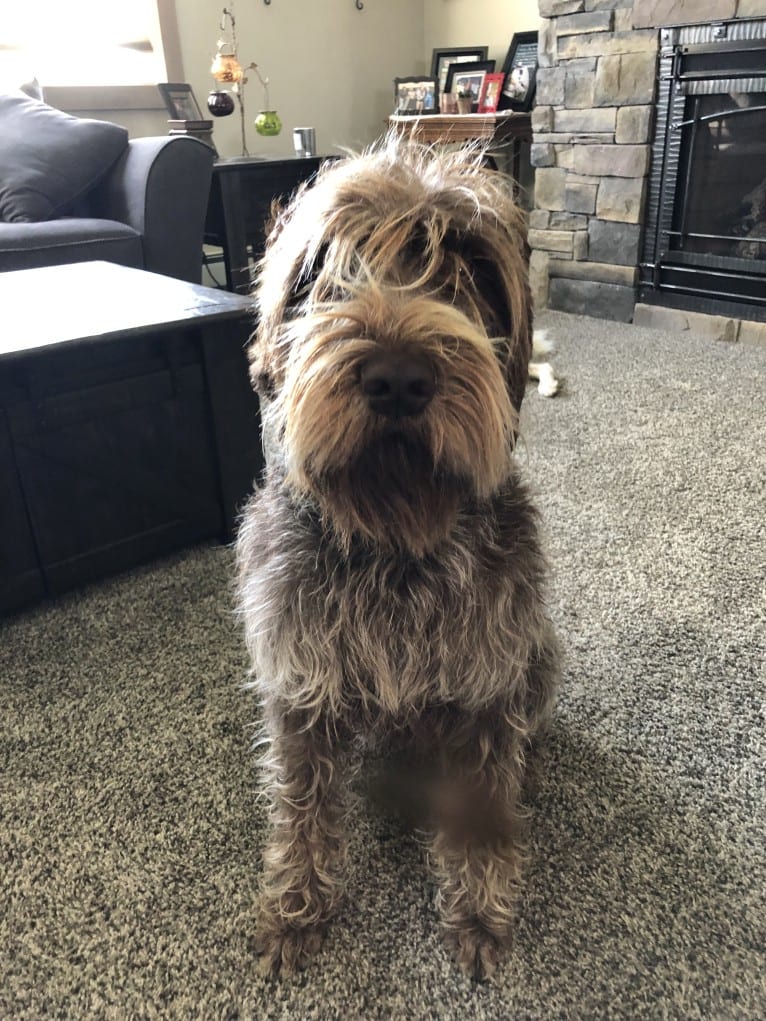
390,573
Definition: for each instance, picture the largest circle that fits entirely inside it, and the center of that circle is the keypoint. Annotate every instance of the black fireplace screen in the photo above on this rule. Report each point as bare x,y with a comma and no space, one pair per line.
705,241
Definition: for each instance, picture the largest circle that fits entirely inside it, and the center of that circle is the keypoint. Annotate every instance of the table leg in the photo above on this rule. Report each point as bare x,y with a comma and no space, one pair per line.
235,241
234,414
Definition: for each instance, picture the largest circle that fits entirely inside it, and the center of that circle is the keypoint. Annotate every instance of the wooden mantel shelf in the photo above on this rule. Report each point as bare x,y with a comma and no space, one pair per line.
465,127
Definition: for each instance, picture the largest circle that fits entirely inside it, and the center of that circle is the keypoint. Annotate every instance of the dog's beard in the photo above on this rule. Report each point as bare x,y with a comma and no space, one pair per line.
394,495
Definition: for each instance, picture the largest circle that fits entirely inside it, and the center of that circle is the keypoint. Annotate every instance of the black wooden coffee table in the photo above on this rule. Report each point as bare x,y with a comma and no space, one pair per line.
128,427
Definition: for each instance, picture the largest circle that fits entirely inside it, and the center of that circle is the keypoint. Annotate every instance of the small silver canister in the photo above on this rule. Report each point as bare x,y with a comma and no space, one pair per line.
305,141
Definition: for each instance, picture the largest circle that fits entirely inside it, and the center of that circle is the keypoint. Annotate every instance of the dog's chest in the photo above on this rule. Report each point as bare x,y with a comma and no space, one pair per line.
391,634
397,634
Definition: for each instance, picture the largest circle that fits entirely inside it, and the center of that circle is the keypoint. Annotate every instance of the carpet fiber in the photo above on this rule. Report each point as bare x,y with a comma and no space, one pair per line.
130,836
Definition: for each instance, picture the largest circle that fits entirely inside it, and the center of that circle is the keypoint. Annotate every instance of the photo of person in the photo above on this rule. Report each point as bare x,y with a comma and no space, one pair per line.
180,101
468,84
490,93
520,69
414,96
444,65
466,80
186,108
517,82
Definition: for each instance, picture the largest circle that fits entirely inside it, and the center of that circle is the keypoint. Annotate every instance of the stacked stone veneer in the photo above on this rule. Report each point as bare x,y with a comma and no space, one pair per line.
592,125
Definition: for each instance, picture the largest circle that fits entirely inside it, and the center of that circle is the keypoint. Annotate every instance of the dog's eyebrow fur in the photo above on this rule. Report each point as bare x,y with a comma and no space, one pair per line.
446,225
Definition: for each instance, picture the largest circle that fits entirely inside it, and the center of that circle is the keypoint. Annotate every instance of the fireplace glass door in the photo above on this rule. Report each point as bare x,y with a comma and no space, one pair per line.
705,242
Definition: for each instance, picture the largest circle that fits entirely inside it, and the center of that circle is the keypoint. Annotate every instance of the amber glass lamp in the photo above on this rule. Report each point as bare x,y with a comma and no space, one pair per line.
225,67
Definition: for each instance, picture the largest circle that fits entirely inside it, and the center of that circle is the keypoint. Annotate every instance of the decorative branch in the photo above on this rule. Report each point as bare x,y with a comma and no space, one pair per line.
264,82
226,68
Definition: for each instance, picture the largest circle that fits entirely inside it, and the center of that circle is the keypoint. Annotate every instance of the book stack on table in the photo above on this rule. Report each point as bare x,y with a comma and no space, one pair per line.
202,129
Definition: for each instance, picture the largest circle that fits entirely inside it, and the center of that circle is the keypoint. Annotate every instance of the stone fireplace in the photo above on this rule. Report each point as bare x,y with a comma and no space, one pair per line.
639,194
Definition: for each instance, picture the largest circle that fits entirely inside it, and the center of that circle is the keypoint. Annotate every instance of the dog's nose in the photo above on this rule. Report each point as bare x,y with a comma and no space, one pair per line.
398,384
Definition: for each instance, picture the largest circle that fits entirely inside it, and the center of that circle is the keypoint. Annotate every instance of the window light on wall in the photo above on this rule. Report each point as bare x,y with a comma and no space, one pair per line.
91,54
84,42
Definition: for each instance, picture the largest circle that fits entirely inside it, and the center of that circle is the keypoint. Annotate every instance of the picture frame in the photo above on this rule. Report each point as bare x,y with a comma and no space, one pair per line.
490,92
520,70
442,58
180,101
415,96
469,75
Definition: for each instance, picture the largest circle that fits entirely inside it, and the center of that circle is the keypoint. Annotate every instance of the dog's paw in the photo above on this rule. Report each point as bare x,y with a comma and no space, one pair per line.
548,385
285,951
475,950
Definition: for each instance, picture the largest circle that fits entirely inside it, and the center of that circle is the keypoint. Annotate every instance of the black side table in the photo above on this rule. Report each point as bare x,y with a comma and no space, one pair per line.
240,206
128,427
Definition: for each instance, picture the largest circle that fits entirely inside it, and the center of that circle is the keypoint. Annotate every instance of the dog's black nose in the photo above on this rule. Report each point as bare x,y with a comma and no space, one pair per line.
398,384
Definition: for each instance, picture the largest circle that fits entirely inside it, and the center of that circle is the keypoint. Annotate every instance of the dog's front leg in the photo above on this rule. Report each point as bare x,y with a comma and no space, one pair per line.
306,847
477,848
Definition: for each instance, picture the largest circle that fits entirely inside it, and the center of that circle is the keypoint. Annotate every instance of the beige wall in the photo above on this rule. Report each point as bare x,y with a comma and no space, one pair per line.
329,65
478,23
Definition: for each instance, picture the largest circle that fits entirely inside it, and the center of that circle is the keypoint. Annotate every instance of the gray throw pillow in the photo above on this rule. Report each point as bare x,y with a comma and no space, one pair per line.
48,159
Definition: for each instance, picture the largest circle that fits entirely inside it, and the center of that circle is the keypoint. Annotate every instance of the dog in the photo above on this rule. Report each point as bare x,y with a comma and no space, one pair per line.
390,573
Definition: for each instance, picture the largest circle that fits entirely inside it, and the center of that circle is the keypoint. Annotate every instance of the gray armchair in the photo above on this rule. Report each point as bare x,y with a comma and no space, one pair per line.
148,212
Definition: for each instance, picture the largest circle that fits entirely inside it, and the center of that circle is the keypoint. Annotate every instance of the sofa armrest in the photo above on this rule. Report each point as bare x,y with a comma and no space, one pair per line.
160,188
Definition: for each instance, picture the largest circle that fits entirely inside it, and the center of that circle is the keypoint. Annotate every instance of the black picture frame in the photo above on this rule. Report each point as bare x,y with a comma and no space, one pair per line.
407,99
180,101
520,69
442,58
477,70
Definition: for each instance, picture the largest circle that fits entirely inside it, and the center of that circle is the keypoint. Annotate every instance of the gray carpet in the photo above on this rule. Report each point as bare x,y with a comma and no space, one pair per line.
130,837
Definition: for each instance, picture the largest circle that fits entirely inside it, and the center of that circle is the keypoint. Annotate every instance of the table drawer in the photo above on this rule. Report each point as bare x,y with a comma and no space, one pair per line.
117,472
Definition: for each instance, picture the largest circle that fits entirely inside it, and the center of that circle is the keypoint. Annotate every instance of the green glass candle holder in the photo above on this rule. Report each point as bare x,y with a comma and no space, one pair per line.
268,123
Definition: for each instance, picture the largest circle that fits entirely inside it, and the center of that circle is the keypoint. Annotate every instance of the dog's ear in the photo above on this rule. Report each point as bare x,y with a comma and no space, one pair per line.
505,301
281,213
515,349
263,383
275,220
307,274
493,295
261,368
520,351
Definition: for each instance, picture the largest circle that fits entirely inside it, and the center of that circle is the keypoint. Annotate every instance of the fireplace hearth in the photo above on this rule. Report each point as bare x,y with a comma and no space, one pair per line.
704,243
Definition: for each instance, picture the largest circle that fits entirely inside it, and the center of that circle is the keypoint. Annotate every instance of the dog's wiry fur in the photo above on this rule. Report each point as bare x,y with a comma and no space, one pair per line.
390,572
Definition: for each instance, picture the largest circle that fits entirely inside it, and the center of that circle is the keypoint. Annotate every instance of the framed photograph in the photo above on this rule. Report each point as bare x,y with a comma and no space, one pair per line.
520,69
180,102
490,92
468,78
415,96
441,60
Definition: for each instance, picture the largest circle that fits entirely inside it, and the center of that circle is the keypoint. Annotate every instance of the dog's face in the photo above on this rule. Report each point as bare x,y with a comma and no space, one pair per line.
393,341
